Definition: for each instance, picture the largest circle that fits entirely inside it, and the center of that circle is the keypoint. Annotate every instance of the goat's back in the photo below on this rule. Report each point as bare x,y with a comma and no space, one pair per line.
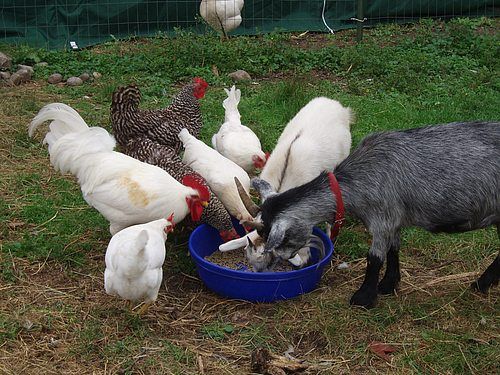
442,178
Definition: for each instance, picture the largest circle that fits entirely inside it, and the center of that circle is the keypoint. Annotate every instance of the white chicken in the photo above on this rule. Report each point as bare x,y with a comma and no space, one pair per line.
235,141
317,138
134,260
219,173
124,190
222,15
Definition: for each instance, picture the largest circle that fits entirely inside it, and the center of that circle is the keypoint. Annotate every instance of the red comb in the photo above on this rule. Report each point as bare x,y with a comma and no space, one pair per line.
201,82
198,184
199,88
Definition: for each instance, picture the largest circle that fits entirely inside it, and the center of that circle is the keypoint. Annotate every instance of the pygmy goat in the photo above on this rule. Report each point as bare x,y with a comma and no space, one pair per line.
443,178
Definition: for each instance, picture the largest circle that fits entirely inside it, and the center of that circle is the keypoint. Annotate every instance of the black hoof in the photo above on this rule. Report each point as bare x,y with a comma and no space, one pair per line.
485,282
387,286
482,286
364,298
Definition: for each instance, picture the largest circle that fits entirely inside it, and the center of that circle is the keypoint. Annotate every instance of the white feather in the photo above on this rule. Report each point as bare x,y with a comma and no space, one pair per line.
324,140
134,260
124,190
218,171
235,141
222,14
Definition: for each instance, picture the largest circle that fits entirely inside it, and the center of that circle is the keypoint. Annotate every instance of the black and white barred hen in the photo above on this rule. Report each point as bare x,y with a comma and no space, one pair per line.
161,125
146,150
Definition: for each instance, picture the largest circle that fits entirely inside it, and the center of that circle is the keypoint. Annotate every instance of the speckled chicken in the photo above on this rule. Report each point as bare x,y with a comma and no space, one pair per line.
161,125
146,150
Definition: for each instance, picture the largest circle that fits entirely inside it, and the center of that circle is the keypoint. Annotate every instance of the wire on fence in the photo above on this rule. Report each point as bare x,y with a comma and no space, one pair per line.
56,24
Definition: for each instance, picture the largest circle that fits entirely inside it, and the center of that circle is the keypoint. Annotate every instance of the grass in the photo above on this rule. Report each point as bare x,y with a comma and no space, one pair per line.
54,314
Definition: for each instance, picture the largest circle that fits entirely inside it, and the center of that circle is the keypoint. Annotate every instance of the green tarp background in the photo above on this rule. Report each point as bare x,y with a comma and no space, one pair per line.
53,24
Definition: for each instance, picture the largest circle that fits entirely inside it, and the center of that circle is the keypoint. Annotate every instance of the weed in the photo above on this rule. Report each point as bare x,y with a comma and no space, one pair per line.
217,330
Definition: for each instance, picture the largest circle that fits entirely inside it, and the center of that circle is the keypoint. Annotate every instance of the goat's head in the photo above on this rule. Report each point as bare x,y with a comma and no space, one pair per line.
283,233
260,259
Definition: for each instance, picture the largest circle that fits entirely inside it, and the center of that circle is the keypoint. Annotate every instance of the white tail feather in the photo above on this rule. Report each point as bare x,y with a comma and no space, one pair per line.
184,136
65,119
230,104
141,241
71,142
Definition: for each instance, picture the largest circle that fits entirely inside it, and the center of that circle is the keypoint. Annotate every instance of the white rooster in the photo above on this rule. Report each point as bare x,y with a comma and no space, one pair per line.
218,171
134,260
235,141
222,15
124,190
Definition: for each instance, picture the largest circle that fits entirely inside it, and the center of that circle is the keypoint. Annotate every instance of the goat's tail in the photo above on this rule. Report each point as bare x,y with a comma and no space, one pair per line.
69,137
230,104
125,98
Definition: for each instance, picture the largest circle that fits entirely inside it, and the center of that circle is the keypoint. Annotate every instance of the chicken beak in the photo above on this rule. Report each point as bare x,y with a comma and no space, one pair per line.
204,203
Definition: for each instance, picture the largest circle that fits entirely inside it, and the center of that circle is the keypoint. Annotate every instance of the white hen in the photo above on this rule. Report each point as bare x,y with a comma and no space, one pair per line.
134,260
222,15
235,141
317,138
218,171
124,190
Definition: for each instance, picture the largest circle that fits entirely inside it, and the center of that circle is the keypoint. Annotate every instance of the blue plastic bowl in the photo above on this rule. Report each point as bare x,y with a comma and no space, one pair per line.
253,286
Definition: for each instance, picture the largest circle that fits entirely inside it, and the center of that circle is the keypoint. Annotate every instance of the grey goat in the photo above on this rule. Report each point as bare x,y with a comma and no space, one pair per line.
443,178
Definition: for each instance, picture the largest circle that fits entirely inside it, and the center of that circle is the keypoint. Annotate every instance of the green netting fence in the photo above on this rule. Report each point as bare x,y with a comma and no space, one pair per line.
54,24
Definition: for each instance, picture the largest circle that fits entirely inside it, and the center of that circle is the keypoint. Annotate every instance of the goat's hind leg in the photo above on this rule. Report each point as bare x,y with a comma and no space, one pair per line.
392,275
491,276
366,296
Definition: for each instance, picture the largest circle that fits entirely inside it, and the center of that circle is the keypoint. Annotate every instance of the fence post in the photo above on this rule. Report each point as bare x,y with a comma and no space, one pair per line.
360,19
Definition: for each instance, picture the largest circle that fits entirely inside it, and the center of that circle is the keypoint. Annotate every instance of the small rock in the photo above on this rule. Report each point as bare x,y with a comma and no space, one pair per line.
55,78
41,64
240,75
483,321
4,75
25,67
96,75
28,324
53,343
19,77
84,77
343,266
5,61
74,81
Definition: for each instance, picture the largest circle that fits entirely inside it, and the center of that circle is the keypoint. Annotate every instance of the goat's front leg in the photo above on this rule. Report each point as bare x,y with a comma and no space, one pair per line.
366,296
392,275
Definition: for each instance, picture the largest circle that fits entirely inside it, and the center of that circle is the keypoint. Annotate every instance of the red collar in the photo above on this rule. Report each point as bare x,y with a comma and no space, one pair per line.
339,214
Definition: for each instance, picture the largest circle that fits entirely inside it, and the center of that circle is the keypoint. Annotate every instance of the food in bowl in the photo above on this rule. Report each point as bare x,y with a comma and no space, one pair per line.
236,260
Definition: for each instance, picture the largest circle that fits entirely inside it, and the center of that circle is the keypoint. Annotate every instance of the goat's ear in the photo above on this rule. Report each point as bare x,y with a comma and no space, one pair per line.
249,248
276,235
263,187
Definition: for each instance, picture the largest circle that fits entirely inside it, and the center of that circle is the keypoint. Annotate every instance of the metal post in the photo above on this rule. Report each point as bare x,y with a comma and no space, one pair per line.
360,16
